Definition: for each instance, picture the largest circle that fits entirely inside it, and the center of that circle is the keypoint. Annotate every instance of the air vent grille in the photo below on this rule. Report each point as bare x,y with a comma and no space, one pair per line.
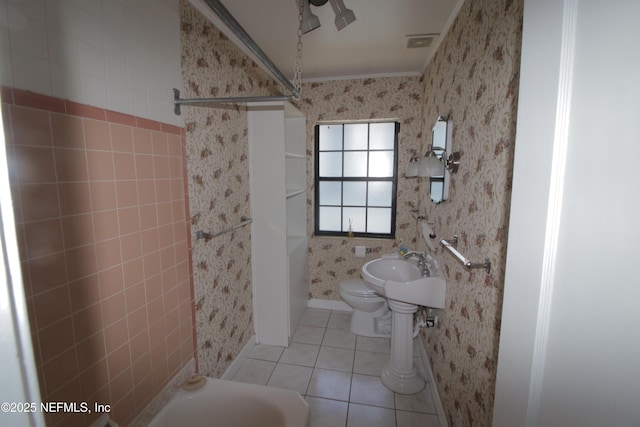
415,41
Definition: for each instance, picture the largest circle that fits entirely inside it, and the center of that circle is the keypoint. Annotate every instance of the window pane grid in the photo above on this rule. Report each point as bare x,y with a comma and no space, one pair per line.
367,161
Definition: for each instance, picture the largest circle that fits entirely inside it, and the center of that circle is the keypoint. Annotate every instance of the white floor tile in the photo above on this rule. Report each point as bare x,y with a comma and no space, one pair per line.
339,320
368,363
315,317
266,352
330,384
300,354
376,345
369,390
339,338
309,335
291,377
327,413
338,359
254,371
419,402
370,416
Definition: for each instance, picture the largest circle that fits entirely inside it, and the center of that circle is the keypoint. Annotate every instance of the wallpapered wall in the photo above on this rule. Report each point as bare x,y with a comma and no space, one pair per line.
473,79
332,260
218,178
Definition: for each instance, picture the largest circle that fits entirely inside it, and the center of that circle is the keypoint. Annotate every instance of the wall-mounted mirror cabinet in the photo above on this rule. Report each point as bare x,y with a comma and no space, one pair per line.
440,145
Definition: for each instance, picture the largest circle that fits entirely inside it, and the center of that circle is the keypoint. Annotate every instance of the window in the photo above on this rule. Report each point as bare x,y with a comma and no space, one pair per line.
356,175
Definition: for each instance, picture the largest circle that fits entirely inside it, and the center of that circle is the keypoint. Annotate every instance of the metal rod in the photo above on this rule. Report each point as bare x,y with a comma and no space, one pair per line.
468,264
208,236
237,29
177,101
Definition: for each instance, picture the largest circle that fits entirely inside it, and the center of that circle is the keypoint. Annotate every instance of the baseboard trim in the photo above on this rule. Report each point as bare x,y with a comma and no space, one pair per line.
239,359
431,383
327,304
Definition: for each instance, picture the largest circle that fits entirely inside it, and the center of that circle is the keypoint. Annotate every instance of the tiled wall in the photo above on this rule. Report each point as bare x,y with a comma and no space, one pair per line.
473,80
332,260
102,226
119,55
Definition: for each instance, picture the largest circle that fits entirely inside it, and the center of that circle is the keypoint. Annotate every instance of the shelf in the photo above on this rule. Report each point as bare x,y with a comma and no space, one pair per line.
292,192
289,155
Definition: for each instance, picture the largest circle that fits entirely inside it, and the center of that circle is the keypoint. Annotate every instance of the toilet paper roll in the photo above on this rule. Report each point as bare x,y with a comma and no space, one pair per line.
427,232
360,251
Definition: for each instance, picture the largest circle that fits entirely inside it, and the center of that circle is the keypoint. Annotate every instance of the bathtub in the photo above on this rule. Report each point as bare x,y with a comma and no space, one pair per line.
231,404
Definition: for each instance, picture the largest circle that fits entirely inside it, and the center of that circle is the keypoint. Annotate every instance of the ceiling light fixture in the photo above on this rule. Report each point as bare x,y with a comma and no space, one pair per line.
310,21
344,16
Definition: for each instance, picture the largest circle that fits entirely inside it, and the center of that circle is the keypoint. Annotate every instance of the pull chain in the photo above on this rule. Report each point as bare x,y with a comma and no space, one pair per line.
297,67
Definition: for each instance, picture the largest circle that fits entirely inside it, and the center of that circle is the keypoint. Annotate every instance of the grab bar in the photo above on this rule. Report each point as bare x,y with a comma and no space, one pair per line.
208,236
449,245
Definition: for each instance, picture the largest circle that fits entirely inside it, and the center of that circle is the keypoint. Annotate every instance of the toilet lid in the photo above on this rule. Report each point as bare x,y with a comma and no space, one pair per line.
356,287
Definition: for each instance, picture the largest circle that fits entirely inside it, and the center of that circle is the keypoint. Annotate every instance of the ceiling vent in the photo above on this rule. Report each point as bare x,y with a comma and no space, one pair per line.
415,41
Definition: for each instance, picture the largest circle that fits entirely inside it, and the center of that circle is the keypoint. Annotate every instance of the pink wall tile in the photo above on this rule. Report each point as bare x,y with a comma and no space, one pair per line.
56,338
74,197
39,201
142,143
111,281
100,165
96,135
101,240
131,247
103,195
43,237
31,127
125,167
92,352
121,137
78,230
87,322
84,292
105,225
67,131
34,164
71,165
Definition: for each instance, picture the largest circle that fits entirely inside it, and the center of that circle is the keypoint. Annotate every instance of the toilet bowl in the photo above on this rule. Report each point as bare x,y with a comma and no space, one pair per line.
371,316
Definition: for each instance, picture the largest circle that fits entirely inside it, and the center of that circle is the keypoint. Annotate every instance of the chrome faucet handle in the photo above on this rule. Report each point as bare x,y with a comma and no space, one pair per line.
417,254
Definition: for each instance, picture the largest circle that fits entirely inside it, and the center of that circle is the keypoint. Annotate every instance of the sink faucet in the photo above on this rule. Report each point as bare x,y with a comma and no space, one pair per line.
422,262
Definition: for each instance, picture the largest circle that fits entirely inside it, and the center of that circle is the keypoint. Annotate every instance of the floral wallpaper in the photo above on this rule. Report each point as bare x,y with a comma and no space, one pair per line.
473,80
332,260
218,178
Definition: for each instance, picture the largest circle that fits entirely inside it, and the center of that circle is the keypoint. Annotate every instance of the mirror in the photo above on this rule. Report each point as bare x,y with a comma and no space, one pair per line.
440,144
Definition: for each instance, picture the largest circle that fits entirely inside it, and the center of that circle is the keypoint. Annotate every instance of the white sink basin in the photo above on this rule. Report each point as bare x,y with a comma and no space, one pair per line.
401,280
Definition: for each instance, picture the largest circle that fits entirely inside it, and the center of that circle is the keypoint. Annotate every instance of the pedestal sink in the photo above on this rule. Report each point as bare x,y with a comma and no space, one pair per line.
404,286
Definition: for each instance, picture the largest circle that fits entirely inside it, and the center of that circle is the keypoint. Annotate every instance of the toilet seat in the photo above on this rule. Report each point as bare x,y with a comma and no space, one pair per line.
357,287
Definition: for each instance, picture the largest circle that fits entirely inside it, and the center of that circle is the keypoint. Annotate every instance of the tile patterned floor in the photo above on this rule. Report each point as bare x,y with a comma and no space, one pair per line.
337,374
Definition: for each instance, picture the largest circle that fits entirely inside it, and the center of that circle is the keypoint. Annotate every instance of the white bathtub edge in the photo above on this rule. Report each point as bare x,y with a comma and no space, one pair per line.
161,399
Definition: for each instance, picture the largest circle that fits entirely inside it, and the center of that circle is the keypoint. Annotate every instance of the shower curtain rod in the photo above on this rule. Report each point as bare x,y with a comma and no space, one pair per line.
233,25
177,101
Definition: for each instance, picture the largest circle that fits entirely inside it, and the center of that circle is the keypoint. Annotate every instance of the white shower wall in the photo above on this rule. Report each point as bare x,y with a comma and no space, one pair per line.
117,55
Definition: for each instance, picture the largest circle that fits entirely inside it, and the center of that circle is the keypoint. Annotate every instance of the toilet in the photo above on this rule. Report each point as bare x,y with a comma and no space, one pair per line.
371,316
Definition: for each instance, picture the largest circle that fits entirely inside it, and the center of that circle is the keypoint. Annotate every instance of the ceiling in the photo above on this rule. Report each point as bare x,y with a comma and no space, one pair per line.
374,44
